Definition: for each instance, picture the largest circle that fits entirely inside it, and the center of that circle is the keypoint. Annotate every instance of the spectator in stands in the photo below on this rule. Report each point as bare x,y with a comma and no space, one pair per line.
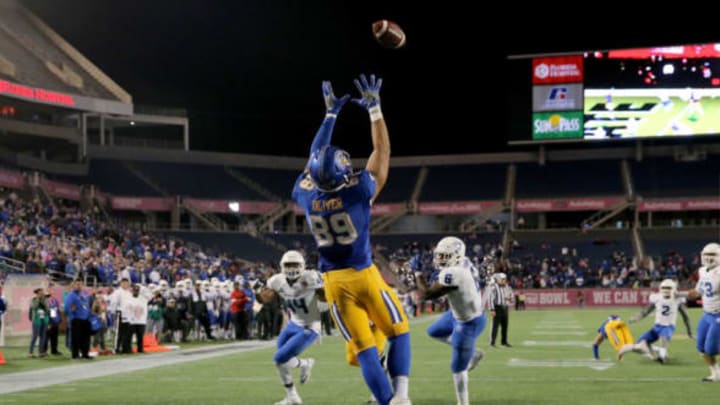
200,310
156,307
118,301
3,307
137,307
238,300
249,308
77,307
100,309
54,325
39,316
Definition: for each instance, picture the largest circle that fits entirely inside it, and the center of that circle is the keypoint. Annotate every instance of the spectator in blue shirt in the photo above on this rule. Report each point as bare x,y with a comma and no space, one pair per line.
54,325
77,308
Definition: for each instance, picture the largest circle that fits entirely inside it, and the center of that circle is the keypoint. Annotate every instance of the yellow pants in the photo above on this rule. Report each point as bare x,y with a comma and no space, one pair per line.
618,334
357,297
351,351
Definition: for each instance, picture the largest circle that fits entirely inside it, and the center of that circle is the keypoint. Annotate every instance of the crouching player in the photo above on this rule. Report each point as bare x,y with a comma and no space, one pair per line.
300,289
615,331
666,305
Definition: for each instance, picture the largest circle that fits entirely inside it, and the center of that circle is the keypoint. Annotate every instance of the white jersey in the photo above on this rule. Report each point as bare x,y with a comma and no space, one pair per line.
708,286
666,309
466,300
299,297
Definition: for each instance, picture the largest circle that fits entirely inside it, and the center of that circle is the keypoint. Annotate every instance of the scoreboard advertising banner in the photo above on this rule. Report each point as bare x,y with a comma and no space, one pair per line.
557,98
618,94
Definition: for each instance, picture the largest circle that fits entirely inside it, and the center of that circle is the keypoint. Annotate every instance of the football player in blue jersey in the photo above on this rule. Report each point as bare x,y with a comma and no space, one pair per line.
337,201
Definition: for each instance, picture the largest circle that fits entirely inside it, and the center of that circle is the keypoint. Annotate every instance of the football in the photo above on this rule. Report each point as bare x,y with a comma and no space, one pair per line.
388,34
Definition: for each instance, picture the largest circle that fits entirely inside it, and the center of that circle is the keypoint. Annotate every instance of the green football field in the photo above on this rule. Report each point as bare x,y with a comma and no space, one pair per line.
677,118
550,363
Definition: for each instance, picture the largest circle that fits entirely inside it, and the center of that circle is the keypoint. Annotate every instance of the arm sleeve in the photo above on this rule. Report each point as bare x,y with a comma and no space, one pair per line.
324,134
367,185
685,318
646,311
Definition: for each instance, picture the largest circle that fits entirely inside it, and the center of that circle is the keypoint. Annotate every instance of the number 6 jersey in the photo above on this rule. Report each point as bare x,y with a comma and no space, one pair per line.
299,297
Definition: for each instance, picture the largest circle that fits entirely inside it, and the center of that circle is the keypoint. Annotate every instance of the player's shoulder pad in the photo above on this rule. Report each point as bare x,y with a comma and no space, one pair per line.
274,281
307,183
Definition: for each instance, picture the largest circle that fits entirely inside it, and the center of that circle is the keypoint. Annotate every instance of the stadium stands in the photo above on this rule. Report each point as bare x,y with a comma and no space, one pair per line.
665,177
465,183
569,179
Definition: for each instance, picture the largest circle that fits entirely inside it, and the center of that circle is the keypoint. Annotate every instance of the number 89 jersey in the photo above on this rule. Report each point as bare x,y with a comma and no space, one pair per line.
299,297
339,221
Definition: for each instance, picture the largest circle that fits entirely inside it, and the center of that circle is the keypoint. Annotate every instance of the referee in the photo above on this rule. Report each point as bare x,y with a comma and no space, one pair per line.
499,297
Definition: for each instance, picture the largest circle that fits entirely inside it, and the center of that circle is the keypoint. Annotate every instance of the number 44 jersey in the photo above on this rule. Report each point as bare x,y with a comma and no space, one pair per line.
300,297
339,221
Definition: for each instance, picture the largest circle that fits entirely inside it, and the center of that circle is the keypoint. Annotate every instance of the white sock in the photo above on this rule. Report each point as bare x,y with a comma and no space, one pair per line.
461,387
293,363
400,386
285,373
291,391
662,351
715,370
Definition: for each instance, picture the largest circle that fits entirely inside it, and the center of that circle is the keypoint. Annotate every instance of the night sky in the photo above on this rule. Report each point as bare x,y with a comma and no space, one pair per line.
249,71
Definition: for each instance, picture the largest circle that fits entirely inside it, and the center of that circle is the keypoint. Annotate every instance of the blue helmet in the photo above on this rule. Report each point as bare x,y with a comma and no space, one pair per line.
330,168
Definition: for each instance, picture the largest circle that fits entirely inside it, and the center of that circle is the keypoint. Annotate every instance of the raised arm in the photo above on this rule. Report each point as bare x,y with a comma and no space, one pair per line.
333,105
378,163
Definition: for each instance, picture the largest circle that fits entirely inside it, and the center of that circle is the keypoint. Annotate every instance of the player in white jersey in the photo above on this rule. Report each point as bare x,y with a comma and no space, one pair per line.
666,304
299,289
461,326
708,288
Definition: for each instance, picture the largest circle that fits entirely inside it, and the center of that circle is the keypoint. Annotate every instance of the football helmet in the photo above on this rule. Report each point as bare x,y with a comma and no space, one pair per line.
292,264
710,256
450,251
667,288
330,168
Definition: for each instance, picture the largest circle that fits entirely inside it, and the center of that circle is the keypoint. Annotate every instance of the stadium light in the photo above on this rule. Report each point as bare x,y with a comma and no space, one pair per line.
234,206
668,69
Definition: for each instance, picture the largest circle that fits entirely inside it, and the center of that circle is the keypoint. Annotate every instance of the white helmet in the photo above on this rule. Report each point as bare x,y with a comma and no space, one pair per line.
710,256
450,251
292,264
667,288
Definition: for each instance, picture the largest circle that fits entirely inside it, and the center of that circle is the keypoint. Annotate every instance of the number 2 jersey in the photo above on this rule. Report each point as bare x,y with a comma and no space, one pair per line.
709,286
300,297
339,221
666,309
465,300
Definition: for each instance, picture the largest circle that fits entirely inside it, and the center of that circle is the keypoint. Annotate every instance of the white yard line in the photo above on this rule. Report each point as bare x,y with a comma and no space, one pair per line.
85,369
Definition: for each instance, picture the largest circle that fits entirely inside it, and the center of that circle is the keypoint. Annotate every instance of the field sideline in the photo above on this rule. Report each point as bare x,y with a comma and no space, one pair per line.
550,363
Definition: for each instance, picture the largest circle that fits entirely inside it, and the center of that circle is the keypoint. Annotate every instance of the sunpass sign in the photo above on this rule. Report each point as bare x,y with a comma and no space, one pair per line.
557,125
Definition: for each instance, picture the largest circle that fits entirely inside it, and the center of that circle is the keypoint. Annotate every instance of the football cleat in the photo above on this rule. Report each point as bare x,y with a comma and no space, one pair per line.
306,370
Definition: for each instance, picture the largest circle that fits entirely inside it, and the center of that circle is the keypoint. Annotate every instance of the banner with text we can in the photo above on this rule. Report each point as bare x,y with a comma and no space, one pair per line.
558,125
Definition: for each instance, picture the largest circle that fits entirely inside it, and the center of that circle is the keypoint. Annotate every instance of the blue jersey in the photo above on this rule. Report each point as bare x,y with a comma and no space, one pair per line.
339,221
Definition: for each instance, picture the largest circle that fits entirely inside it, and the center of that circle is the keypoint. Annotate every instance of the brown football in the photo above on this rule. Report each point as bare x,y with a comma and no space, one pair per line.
389,34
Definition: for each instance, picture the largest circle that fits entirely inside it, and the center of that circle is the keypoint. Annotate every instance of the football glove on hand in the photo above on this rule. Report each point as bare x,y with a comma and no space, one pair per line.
333,105
369,92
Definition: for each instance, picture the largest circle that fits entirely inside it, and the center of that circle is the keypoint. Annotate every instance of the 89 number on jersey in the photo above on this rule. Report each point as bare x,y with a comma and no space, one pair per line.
337,228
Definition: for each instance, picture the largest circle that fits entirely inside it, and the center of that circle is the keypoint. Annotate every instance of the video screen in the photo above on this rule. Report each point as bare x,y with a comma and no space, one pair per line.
624,94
